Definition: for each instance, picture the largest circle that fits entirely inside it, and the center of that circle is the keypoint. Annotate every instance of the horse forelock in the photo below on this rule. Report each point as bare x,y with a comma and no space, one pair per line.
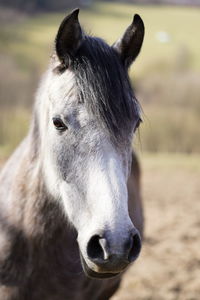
102,83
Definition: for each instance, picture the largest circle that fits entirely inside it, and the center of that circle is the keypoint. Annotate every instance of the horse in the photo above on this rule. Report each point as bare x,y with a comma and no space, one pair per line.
71,218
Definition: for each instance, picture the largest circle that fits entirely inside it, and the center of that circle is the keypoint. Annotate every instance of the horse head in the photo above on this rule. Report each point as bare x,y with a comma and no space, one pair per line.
88,119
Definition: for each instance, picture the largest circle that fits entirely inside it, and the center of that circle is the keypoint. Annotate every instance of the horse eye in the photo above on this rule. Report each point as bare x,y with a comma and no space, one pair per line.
58,123
138,123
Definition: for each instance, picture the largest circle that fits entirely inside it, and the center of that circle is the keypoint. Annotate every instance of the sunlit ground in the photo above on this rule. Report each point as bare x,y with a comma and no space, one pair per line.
169,267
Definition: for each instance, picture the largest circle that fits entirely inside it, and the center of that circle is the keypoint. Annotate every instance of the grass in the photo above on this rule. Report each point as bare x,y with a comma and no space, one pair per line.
166,75
170,161
10,134
31,39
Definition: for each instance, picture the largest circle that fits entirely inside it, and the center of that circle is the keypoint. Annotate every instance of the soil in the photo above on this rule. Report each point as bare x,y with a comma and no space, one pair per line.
169,266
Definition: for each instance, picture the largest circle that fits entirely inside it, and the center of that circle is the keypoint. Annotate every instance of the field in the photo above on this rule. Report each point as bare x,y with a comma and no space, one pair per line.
166,75
31,41
169,267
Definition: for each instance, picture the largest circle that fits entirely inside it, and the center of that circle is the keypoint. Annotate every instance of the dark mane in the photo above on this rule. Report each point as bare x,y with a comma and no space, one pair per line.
103,84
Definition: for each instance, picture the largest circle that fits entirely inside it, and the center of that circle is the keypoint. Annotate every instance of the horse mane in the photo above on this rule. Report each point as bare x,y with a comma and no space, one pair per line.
103,85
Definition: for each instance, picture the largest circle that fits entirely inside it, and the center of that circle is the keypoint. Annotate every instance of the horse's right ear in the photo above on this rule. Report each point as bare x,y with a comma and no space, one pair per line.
68,38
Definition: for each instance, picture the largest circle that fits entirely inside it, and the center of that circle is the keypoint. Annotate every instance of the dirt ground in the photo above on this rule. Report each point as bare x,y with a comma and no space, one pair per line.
169,266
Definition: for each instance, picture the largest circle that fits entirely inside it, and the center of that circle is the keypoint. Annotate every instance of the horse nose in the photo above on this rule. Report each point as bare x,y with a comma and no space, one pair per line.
101,252
133,246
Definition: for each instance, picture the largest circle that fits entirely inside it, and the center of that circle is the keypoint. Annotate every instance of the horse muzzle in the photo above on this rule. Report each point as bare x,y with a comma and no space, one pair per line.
104,260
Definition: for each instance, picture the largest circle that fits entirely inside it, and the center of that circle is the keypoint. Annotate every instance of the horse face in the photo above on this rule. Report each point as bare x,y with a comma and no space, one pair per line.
91,117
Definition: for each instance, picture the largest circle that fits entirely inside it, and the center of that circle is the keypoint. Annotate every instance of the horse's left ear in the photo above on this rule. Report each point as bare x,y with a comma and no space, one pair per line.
69,38
130,44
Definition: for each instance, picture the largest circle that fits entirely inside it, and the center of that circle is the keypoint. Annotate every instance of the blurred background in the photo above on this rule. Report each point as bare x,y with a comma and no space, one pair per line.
166,78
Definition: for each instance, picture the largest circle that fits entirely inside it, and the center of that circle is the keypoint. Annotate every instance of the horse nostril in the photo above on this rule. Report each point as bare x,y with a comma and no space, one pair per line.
100,253
96,248
135,247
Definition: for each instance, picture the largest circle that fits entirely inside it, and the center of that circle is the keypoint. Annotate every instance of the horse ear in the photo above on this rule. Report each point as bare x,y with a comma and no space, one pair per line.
130,44
68,38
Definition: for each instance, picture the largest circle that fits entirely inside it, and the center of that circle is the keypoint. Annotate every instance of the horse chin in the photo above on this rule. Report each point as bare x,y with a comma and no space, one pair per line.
92,274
